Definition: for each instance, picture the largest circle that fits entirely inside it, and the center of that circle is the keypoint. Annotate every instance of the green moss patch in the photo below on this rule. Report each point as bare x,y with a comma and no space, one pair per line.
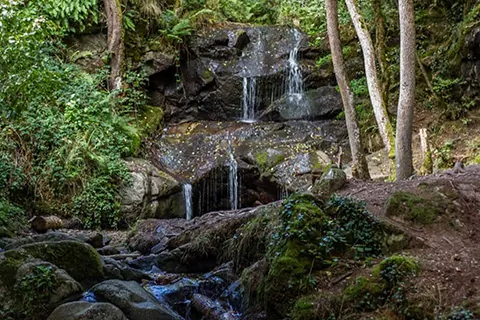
423,207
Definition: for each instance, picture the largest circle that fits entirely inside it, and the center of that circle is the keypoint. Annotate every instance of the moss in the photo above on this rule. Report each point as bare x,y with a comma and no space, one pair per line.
9,263
414,207
151,120
79,260
365,293
288,277
267,160
305,308
396,268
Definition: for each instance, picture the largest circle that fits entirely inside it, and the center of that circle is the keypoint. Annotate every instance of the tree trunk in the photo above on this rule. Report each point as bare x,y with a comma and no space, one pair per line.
379,108
43,224
380,49
113,11
406,100
359,163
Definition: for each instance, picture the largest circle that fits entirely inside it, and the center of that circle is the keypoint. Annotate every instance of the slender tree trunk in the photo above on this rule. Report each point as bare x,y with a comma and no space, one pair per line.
380,49
379,108
359,165
406,100
113,10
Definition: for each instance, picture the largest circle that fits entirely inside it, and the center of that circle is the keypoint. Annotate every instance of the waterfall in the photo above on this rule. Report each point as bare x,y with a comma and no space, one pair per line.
187,196
294,81
233,181
249,98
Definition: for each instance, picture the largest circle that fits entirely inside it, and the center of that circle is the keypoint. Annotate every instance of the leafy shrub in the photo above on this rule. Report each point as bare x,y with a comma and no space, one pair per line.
62,136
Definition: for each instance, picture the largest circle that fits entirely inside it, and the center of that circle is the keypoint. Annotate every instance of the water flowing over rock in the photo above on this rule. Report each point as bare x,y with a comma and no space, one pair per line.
235,72
187,195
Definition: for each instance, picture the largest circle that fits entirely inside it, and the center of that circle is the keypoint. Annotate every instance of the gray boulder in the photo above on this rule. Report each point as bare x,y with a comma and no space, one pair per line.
152,193
333,179
65,286
81,310
135,302
50,236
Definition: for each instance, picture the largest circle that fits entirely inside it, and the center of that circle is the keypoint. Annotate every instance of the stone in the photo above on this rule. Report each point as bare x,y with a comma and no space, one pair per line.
65,286
81,310
321,103
218,60
79,260
114,269
333,179
135,302
151,194
47,237
108,251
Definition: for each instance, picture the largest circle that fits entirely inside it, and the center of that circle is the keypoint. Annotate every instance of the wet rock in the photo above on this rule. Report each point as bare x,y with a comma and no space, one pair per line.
145,263
213,67
210,309
94,239
50,237
321,103
157,62
81,310
117,270
135,302
152,193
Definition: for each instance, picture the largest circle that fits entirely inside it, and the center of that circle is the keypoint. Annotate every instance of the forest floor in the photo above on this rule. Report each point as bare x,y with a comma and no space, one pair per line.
448,249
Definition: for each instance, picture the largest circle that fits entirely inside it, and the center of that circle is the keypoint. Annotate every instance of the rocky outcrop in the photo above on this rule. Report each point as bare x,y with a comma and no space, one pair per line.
216,62
81,310
151,193
135,302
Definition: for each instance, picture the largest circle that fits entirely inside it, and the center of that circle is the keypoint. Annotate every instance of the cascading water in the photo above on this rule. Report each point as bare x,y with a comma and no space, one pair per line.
233,181
249,98
187,196
294,81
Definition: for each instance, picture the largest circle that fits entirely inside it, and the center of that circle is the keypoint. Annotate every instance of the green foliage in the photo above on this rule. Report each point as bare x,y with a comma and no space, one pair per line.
62,135
443,156
69,15
461,314
35,291
12,218
249,11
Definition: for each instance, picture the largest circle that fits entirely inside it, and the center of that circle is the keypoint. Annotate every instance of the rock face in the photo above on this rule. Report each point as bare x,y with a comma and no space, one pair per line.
81,310
216,63
271,158
135,302
321,103
151,194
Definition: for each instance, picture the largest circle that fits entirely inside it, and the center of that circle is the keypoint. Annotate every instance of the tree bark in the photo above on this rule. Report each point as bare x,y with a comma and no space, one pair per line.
359,163
406,100
379,108
43,224
380,35
113,11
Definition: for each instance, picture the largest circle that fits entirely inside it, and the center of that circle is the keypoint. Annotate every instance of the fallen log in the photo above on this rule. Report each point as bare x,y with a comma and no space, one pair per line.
210,309
43,224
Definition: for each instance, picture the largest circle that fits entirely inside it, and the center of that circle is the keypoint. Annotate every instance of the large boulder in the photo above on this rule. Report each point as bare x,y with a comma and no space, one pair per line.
50,237
135,302
151,194
333,179
78,259
81,310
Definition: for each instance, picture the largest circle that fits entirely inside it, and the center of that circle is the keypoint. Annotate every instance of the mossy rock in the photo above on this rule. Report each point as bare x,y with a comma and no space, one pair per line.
287,278
151,120
78,259
396,268
365,293
268,159
422,207
317,306
332,179
253,282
